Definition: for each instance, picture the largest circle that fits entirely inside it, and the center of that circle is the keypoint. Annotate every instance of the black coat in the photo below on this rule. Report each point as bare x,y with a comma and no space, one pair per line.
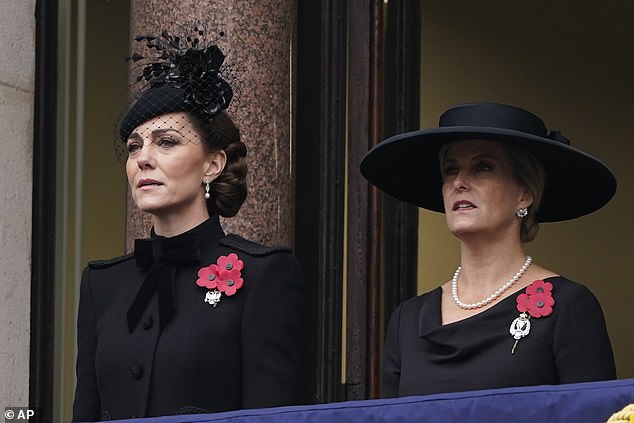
242,353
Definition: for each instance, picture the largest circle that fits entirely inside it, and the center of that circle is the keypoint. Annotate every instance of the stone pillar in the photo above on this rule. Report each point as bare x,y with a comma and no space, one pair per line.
258,42
17,84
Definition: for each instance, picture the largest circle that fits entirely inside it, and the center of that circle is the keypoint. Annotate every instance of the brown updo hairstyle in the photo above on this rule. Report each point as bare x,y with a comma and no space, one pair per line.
229,190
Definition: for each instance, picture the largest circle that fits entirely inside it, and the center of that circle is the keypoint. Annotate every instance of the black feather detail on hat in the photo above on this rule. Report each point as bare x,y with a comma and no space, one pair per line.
182,76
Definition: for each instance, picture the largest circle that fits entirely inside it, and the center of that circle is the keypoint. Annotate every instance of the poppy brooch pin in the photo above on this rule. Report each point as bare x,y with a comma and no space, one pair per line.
537,301
223,277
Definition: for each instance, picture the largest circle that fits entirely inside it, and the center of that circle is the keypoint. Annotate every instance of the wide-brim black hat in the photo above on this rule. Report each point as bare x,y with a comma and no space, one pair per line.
407,167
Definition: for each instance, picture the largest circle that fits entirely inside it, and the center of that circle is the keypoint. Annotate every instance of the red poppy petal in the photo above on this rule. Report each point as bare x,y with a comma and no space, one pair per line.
205,282
535,312
522,298
237,283
522,302
532,288
239,264
539,287
537,299
235,262
545,299
227,274
204,276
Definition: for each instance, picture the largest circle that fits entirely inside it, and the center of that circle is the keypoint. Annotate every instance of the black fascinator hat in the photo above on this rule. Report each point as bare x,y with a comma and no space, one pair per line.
182,76
407,167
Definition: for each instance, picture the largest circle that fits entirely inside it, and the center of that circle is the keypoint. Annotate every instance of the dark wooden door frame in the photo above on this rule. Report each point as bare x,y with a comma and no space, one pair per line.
347,89
383,99
321,77
43,219
402,114
365,129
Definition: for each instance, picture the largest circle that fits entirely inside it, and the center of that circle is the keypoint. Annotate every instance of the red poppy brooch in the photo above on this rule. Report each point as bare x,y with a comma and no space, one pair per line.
537,301
224,277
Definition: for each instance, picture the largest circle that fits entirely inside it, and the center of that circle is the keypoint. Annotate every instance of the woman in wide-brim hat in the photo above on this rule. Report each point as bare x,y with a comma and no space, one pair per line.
193,321
501,320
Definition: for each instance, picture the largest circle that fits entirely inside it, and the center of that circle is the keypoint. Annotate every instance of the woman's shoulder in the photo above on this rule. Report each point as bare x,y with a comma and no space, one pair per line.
563,283
566,289
260,255
275,264
416,302
243,245
103,264
110,272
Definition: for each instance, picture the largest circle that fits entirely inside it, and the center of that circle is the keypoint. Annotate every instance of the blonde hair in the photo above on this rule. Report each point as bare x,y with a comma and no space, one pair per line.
530,173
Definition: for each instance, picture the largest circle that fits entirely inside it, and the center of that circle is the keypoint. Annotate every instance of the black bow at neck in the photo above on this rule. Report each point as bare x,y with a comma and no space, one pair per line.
160,254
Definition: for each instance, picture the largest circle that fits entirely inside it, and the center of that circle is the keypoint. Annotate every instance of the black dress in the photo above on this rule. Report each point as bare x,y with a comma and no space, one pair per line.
422,356
241,353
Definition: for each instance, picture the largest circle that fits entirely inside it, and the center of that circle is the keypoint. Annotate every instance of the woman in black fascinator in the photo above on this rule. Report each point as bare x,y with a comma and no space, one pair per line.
501,320
193,321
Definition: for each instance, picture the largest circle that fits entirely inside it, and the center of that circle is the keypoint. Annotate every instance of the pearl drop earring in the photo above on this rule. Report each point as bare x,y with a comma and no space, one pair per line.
207,188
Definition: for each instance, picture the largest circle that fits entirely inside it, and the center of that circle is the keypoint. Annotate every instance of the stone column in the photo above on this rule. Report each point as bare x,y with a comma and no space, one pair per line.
258,42
17,86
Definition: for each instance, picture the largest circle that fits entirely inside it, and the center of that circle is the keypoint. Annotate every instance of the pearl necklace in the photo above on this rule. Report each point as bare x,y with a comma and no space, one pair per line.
490,298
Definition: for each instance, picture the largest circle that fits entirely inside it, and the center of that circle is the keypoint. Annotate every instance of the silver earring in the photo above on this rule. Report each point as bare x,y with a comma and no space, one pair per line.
207,188
521,212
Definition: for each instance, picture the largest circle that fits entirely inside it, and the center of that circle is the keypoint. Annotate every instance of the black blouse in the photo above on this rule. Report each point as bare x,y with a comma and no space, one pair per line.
423,356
